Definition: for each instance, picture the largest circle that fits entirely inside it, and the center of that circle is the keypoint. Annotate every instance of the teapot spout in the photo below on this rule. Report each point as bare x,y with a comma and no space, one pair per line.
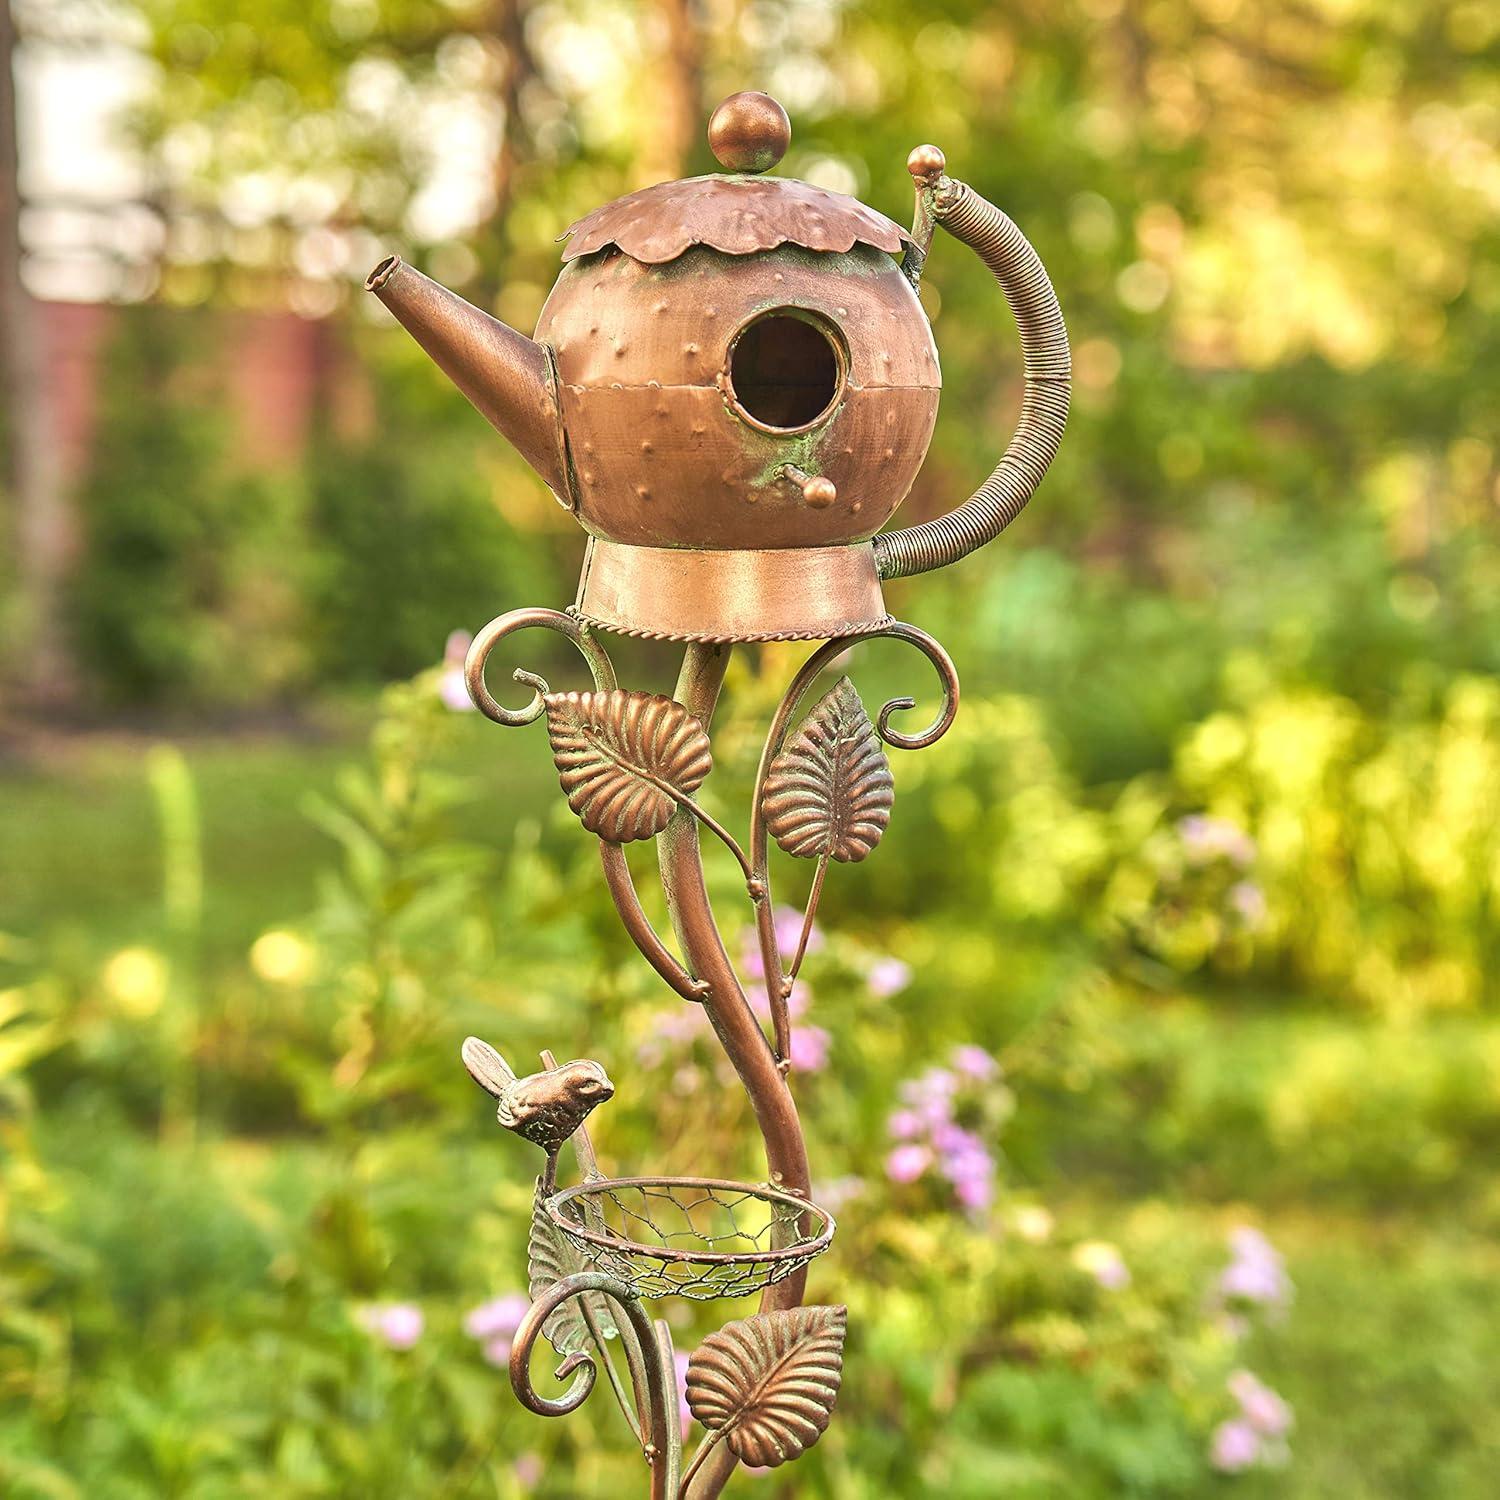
507,376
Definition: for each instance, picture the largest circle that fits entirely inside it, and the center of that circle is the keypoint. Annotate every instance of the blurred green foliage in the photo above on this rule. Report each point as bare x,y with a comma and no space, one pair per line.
244,1149
208,581
1210,861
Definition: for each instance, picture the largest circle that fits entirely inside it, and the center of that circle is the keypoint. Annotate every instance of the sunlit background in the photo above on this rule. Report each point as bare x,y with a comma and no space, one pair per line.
1152,1063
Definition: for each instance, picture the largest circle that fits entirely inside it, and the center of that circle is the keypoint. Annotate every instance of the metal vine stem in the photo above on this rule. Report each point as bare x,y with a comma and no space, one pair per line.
704,974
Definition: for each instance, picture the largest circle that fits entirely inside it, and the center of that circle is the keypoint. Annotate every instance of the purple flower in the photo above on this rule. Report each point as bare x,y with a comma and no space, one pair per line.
454,691
1249,1243
1236,1447
497,1318
452,688
976,1193
398,1324
1248,902
907,1162
952,1140
929,1098
1206,839
788,921
1254,1281
750,959
674,1028
1260,1406
528,1469
1257,1273
963,1167
684,1411
887,977
935,1113
496,1351
809,1048
975,1062
930,1136
935,1085
797,1001
969,1166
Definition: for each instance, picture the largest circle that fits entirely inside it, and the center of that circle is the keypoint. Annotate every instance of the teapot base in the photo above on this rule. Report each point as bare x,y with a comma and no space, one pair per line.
680,594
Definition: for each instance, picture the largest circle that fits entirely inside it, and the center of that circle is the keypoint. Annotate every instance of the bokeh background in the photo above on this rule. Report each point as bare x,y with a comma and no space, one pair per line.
1153,1062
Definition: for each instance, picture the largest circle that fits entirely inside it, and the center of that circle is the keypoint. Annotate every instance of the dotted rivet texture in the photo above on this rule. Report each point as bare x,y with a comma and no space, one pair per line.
658,453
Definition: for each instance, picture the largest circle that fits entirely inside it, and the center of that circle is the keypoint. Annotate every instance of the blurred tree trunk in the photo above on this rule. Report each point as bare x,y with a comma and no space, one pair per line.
505,26
678,99
508,27
40,530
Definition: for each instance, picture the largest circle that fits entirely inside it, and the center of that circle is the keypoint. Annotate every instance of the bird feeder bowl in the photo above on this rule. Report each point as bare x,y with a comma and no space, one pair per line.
695,1237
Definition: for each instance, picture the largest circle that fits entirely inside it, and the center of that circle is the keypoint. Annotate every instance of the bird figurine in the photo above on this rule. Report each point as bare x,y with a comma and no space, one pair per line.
543,1108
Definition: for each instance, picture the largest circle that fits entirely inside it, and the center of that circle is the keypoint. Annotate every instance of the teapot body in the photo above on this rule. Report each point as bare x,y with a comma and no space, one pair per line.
733,385
689,388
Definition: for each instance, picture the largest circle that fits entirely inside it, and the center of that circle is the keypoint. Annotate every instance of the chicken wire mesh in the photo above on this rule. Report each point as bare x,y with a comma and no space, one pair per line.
690,1236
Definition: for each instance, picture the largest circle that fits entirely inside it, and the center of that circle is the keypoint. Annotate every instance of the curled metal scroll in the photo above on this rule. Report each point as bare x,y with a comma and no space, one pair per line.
802,684
601,668
658,1423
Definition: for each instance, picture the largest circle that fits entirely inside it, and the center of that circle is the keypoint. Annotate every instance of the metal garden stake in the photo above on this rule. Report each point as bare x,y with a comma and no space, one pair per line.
732,386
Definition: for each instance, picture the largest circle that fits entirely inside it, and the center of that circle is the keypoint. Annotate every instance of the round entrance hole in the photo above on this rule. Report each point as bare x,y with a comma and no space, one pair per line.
785,371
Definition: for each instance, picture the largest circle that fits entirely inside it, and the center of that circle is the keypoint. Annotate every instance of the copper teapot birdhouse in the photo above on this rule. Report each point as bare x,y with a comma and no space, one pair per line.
733,385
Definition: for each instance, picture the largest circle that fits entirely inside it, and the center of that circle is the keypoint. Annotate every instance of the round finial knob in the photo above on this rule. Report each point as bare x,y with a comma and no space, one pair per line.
926,164
749,132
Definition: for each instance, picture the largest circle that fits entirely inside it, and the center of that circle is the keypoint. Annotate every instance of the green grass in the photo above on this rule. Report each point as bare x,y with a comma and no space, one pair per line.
1388,1358
82,845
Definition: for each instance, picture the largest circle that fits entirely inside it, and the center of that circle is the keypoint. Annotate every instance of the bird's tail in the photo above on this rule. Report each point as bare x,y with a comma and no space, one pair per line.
486,1067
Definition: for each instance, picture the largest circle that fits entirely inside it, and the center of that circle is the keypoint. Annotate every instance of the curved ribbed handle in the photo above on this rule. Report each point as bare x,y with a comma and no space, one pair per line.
1049,373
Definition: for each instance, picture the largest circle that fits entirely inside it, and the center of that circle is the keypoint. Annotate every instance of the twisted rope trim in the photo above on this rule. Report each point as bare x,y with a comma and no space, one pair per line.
717,638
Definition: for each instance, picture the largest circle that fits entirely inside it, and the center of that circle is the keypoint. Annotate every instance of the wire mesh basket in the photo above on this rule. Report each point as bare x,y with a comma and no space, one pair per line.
695,1237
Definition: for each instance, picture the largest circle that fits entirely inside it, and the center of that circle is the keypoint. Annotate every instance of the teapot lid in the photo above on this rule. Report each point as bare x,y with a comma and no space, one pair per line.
734,211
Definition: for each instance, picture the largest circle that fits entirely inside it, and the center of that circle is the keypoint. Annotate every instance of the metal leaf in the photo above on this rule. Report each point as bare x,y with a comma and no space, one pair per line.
621,756
770,1381
829,793
549,1258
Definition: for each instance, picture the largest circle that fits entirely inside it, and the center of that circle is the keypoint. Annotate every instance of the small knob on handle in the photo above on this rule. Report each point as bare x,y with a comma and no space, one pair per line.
926,164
